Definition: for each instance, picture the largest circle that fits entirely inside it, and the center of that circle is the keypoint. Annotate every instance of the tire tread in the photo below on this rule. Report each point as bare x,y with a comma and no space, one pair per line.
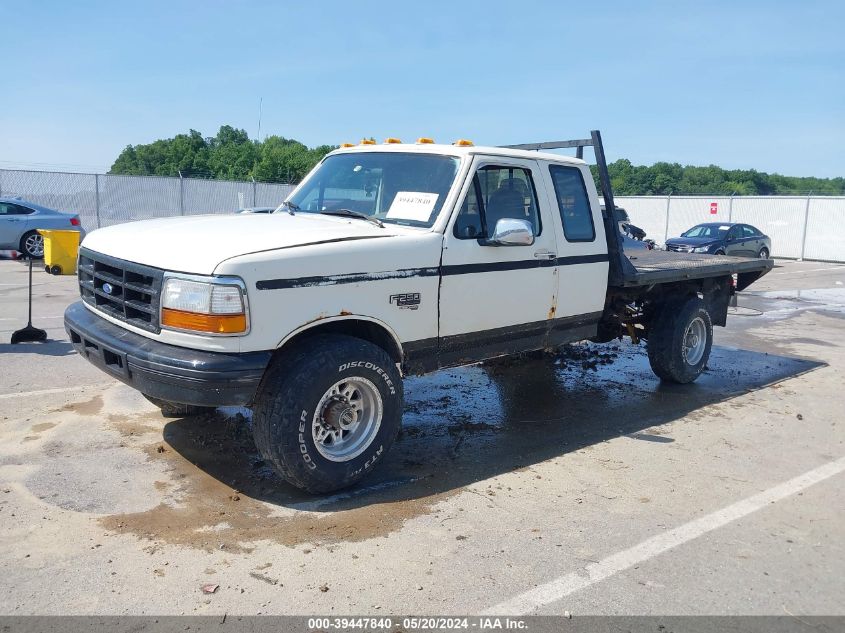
665,338
278,395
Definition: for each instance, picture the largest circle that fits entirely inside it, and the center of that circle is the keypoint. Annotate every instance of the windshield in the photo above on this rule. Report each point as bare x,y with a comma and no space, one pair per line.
707,230
393,187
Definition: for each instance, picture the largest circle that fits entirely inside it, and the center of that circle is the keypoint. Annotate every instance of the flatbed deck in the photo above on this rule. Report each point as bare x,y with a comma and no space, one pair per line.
658,267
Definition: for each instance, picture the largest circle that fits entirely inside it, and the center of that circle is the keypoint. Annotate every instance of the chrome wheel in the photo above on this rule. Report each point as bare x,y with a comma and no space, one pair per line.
33,245
695,341
347,419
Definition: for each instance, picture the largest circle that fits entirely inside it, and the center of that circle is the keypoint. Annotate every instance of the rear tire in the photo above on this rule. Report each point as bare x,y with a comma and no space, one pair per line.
764,253
177,409
679,340
328,411
32,245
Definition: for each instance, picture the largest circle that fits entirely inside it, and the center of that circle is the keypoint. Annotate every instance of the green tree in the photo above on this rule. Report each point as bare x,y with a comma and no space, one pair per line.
673,179
228,155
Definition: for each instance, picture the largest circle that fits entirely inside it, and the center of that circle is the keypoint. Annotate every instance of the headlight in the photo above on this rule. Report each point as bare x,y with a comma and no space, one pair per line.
215,305
700,249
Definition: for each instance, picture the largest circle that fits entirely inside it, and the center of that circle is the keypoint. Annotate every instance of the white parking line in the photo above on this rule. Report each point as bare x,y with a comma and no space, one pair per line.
44,392
811,270
563,586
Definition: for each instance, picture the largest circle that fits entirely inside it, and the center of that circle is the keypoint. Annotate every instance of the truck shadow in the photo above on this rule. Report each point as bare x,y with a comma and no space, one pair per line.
466,425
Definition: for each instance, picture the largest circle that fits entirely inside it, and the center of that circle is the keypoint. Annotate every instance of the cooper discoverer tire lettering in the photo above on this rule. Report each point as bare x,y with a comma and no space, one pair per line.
328,411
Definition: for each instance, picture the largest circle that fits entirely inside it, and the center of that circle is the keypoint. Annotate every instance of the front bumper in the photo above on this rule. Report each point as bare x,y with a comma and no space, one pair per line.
168,372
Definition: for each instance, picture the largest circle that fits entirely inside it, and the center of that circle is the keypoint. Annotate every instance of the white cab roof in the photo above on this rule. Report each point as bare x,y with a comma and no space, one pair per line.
459,151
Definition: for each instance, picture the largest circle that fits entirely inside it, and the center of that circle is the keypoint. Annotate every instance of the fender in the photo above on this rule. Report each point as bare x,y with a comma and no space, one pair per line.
321,320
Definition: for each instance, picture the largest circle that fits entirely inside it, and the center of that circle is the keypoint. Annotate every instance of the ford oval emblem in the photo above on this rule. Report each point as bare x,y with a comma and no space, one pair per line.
108,288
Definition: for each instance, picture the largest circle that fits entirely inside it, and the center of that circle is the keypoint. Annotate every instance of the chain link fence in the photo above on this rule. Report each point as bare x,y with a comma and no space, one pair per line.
809,227
104,199
801,227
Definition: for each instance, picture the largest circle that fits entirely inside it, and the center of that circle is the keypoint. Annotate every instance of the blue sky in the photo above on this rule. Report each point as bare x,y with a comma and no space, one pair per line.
738,84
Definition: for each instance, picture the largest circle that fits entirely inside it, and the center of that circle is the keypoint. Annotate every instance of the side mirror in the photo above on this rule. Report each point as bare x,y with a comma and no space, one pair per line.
510,232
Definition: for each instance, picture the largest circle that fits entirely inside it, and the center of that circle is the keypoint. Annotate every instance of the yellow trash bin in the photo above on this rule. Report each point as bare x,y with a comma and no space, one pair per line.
60,250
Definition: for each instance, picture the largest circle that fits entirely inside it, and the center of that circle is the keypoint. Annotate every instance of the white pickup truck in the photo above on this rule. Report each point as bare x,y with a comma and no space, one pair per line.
386,260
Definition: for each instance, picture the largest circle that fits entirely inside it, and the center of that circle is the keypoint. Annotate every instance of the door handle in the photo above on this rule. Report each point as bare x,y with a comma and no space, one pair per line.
544,255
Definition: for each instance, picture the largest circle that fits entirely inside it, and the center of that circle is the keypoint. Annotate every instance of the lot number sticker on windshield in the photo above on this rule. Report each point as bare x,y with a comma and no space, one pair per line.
412,205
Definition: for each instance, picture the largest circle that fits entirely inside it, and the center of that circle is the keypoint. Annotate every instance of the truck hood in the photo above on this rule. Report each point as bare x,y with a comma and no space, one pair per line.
198,244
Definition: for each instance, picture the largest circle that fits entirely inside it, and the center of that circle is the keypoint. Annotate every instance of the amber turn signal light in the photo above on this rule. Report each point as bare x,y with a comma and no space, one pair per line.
215,323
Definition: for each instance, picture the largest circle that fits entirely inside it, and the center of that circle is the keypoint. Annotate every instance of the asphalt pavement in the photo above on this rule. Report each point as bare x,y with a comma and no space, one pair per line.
572,482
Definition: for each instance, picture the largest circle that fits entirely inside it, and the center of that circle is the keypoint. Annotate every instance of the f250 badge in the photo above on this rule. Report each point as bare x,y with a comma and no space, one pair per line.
406,301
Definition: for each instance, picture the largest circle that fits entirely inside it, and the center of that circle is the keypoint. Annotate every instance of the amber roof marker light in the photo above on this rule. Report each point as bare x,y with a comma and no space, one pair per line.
462,142
390,140
367,141
347,144
424,140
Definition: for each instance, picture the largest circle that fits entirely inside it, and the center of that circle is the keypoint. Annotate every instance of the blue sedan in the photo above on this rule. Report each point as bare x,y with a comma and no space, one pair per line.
20,221
723,238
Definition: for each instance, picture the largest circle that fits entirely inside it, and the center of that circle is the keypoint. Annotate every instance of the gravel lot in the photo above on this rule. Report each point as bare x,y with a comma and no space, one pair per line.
575,482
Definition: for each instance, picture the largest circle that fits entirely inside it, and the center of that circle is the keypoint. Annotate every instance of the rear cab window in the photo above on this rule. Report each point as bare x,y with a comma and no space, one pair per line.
573,203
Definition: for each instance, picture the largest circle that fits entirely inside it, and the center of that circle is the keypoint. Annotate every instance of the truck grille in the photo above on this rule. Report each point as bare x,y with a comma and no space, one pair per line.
123,290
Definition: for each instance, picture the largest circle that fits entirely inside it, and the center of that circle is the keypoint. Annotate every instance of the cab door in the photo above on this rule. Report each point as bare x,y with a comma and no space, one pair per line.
497,300
582,261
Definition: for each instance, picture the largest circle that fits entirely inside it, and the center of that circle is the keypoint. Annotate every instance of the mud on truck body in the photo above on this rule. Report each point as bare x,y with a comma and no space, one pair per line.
387,260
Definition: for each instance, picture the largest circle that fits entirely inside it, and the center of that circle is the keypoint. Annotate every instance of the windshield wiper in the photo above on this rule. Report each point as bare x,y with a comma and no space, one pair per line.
349,213
291,207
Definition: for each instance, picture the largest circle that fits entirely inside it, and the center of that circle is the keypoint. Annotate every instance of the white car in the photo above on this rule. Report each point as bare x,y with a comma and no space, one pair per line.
386,260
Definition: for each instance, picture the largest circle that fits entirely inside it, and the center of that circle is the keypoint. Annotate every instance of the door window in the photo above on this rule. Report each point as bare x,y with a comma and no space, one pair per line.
497,193
749,231
573,204
7,208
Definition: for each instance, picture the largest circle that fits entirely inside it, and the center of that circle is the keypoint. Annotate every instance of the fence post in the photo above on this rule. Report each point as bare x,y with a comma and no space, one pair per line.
666,225
806,221
254,194
731,208
1,182
97,198
181,194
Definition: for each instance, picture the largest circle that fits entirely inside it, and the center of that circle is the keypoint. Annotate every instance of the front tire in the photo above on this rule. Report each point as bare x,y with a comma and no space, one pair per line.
680,339
32,245
328,411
